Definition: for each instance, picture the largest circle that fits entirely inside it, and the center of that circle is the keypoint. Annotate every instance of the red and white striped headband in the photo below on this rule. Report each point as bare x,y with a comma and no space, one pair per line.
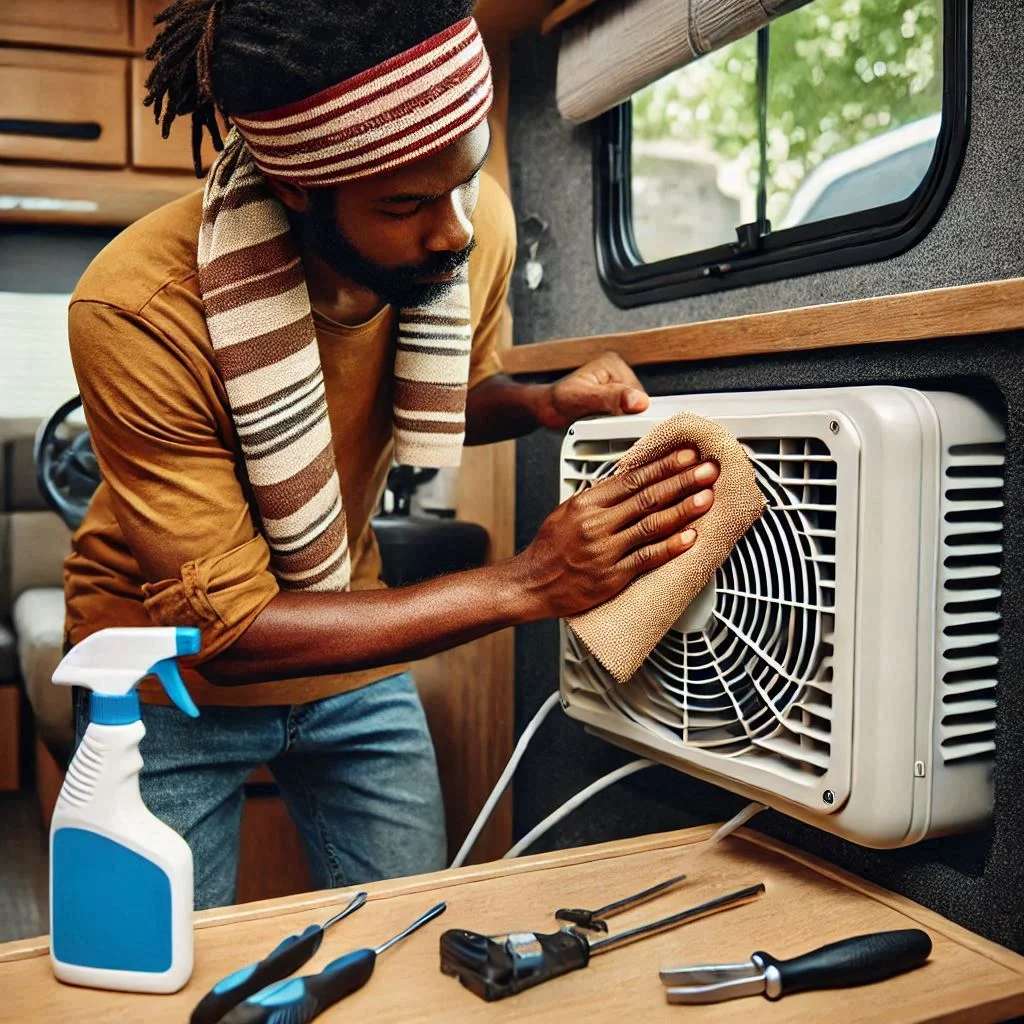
413,104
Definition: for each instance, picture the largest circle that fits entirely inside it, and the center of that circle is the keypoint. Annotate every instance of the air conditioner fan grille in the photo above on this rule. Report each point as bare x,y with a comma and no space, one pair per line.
753,680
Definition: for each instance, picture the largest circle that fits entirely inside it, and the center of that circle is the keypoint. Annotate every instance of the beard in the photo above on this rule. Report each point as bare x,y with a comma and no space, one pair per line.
403,287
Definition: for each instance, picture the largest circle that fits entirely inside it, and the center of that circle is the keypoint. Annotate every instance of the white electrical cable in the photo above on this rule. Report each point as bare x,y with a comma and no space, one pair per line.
732,824
572,803
506,777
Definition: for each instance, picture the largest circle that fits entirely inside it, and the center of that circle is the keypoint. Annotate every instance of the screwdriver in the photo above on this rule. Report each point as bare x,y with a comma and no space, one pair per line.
298,1000
496,966
289,955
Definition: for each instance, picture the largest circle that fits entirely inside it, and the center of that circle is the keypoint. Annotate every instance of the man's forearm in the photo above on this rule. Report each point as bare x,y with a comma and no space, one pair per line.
586,551
306,634
500,408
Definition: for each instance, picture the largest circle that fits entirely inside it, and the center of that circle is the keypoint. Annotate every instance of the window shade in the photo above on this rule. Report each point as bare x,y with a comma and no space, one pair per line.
616,47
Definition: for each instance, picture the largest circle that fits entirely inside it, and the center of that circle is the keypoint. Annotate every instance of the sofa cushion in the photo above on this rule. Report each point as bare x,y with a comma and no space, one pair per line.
20,486
39,625
37,546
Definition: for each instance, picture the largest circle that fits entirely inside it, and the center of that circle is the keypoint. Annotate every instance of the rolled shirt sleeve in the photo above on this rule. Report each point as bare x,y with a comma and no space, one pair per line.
172,476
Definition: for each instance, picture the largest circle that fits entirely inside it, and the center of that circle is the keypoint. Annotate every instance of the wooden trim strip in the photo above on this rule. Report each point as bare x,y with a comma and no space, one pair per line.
987,308
998,1005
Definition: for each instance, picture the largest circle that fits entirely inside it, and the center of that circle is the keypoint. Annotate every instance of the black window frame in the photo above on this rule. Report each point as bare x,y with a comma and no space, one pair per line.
857,238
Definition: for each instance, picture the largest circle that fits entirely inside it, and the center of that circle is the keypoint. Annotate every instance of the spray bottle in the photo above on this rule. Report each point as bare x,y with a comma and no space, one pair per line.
120,879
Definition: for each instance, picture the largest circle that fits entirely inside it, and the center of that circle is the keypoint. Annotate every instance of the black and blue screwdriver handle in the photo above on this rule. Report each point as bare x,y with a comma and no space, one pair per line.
299,1000
860,960
285,958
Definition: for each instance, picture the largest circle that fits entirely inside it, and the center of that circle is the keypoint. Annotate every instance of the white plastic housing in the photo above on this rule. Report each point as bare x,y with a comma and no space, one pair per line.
842,666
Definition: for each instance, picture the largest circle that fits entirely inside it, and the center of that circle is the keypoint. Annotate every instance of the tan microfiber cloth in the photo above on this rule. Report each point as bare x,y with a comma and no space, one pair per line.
622,632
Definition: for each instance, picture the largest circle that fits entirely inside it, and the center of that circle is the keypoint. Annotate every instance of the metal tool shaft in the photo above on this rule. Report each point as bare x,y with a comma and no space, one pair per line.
734,899
433,912
710,974
716,992
354,904
640,897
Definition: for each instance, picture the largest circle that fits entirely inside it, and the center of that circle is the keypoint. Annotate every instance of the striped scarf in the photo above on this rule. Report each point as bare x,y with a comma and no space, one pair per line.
257,305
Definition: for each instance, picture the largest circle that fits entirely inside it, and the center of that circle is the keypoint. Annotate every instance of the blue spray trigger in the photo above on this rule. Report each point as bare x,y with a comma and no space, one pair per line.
167,672
187,640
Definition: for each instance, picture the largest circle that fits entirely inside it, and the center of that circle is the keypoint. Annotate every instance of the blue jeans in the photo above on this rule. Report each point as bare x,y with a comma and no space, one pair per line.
357,772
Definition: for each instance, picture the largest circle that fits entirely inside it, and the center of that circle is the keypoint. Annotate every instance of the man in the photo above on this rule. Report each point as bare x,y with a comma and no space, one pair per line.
251,360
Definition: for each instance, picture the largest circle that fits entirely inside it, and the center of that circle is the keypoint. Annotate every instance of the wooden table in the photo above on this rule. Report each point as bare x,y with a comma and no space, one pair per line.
807,904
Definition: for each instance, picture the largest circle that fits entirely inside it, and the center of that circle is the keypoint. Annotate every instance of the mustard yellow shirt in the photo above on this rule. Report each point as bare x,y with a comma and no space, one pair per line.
169,538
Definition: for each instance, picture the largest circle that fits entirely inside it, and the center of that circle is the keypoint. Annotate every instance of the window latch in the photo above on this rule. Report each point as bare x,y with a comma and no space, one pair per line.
748,237
748,241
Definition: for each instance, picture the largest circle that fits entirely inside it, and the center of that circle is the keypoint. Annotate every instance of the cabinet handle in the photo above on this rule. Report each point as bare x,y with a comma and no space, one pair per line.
85,131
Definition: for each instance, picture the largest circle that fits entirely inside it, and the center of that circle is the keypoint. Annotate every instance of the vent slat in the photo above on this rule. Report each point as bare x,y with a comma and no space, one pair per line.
979,505
955,597
970,707
981,461
818,710
954,730
795,752
953,689
979,571
976,550
970,529
964,750
964,483
978,618
765,458
978,638
794,725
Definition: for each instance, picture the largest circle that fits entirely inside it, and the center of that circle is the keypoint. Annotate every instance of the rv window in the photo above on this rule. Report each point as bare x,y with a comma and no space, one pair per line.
832,137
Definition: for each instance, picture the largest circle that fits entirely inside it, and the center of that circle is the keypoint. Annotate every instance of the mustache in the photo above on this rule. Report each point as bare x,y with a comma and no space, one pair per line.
445,262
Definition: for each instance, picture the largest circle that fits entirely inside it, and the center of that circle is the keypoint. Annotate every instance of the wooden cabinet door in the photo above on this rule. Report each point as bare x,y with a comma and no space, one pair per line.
145,31
66,107
89,24
150,149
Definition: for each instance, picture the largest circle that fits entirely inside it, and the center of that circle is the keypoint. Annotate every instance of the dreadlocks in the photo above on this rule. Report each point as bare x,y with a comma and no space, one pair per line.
244,56
180,82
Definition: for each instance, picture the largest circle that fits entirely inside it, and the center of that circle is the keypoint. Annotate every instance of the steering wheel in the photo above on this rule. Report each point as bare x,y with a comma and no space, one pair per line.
66,468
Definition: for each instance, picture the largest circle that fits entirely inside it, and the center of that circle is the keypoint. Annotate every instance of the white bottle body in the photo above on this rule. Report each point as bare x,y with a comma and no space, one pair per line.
121,881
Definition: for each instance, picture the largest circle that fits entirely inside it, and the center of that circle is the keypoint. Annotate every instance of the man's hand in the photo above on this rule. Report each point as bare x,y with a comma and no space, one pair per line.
500,408
605,385
596,543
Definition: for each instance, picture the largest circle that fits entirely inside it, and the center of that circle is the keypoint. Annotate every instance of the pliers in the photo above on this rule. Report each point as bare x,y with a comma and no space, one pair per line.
856,961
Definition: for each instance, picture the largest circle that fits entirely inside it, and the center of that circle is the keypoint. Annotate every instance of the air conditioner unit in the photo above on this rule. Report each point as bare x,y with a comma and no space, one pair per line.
841,667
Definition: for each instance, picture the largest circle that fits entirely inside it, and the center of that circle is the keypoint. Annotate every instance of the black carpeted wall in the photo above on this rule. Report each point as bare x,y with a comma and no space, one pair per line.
976,880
